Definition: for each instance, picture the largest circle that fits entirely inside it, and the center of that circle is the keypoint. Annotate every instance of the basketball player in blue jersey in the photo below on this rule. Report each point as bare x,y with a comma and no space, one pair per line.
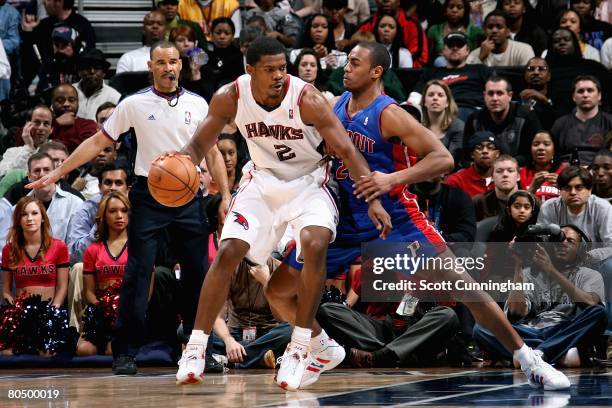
387,136
284,121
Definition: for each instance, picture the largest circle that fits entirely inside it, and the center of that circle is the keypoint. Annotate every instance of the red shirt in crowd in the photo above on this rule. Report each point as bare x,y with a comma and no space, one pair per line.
41,271
98,261
546,191
470,181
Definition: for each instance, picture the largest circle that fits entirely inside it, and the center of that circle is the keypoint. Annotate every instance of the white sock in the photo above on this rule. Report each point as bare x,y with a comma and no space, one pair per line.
300,337
198,338
524,355
317,342
572,358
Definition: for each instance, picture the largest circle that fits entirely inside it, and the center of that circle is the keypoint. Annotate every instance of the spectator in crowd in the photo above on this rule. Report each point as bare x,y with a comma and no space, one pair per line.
566,63
602,173
535,95
578,206
30,246
204,13
281,23
38,33
104,111
414,38
498,49
224,57
252,336
571,20
540,173
337,11
58,153
35,133
153,28
513,125
191,72
82,227
483,148
381,337
104,266
87,181
5,74
173,20
594,32
440,116
563,316
457,19
465,81
583,130
519,212
319,37
606,53
93,92
248,35
389,33
449,209
62,67
9,28
307,67
522,24
59,203
505,182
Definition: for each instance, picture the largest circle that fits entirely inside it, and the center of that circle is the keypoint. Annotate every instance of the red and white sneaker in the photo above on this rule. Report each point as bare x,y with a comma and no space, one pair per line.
191,366
326,359
292,366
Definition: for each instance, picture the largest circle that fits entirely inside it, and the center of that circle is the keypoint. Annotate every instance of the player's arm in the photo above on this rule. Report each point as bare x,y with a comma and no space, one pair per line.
435,158
315,110
221,111
84,153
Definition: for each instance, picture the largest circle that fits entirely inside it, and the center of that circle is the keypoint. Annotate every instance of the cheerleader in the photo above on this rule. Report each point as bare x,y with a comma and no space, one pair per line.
104,265
34,321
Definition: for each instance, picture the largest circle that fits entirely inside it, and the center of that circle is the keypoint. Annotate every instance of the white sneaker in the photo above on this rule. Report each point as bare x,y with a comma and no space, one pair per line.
517,364
541,374
292,366
191,366
324,360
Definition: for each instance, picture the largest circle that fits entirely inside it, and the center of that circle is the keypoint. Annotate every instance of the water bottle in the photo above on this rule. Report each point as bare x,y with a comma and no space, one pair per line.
197,56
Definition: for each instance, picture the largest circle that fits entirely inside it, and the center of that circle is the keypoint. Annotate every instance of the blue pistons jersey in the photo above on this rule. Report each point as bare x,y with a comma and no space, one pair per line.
364,129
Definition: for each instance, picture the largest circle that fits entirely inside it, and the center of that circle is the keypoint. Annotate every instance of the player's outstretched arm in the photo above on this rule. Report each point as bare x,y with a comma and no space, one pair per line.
435,158
84,153
222,110
315,110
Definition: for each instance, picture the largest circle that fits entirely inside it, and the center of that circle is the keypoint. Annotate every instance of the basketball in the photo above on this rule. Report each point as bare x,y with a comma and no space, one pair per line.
173,180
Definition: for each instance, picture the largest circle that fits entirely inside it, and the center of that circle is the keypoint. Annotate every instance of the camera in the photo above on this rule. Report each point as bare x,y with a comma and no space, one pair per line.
525,242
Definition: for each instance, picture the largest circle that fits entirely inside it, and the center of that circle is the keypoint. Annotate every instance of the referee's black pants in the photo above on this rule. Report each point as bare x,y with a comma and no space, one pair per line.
188,230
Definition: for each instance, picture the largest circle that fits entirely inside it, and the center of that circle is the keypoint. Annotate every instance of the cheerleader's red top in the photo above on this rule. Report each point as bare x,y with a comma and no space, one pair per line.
99,261
40,271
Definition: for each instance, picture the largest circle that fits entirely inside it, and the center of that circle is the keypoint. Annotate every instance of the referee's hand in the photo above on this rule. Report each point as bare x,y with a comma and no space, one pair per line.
45,180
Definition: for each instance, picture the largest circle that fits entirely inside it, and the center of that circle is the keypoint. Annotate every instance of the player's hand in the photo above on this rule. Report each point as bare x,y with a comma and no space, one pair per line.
234,350
373,185
45,180
380,218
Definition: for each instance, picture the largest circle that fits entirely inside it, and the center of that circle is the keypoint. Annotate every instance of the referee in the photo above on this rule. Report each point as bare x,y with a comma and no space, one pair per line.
163,117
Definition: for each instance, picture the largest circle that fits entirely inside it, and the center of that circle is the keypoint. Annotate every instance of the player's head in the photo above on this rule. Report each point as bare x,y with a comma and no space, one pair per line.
165,65
267,65
367,63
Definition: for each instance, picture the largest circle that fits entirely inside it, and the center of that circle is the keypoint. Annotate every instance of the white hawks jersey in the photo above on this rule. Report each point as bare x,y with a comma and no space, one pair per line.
278,140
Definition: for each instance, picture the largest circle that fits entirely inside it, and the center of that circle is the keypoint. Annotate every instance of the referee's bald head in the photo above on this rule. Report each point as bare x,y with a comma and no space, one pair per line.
162,44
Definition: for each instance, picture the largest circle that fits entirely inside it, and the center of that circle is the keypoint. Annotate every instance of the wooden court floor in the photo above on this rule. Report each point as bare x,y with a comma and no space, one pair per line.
154,387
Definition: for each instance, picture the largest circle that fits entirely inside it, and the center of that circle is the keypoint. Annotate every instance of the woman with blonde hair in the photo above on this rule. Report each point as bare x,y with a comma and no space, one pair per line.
440,116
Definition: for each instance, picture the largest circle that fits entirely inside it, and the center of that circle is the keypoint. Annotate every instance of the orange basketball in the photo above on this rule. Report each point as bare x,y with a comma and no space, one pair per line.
173,180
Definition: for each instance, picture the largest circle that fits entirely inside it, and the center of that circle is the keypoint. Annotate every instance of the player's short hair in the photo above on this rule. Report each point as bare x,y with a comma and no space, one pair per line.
162,44
379,56
263,46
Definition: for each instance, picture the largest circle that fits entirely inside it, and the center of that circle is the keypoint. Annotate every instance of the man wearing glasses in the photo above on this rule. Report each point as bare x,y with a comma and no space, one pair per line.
535,96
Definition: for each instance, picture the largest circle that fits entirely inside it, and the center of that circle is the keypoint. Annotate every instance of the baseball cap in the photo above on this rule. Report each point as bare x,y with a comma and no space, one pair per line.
158,2
483,136
456,38
63,32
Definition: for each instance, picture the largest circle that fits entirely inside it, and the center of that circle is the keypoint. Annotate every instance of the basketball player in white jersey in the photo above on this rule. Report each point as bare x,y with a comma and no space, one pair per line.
164,117
284,121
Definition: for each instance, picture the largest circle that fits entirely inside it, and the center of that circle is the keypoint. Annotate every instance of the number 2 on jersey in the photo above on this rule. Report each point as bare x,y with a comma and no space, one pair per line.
284,152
